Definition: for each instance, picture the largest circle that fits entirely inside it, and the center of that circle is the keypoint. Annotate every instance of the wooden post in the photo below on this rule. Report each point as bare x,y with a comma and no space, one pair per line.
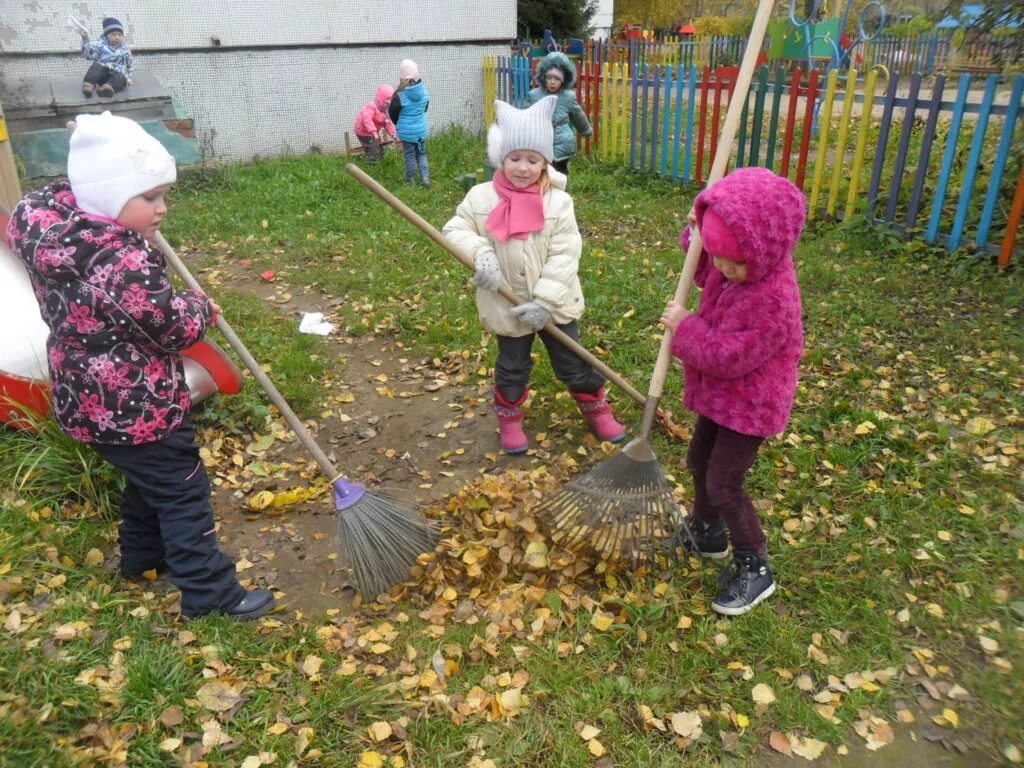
10,187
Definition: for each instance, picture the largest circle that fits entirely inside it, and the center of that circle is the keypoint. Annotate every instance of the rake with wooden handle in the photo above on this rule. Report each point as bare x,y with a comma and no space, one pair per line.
379,539
467,261
624,506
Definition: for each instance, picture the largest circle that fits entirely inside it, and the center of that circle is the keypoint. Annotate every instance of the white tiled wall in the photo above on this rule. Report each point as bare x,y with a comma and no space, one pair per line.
258,99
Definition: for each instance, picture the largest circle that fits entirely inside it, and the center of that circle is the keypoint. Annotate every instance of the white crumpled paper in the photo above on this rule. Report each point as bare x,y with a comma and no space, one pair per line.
313,322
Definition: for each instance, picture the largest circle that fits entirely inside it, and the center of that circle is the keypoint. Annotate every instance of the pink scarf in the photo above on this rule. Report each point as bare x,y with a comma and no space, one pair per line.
519,211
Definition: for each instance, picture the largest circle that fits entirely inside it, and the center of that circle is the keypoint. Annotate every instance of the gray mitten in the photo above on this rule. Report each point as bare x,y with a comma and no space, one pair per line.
488,271
532,314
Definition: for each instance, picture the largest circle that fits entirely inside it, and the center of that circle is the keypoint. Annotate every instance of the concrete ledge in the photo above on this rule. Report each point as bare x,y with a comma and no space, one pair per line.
37,103
38,110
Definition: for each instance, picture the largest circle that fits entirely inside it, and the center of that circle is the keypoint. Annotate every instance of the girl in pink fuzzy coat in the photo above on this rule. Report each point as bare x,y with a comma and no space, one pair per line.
740,351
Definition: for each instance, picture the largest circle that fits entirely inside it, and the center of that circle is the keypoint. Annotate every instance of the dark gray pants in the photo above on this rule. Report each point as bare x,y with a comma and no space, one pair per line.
371,147
719,459
512,370
166,517
100,75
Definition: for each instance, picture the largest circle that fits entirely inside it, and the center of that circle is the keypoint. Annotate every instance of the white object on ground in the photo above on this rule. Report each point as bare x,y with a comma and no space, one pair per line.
313,322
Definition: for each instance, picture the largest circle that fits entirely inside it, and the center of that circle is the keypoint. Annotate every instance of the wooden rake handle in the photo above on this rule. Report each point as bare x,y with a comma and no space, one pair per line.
718,166
254,367
467,261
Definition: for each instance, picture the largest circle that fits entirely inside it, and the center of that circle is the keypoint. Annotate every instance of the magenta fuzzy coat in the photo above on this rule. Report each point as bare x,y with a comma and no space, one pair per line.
741,349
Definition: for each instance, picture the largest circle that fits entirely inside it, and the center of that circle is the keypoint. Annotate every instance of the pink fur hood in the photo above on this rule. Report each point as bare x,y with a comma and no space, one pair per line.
741,349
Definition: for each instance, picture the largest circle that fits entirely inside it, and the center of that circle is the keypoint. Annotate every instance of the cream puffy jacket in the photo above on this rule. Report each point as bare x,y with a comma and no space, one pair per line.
542,268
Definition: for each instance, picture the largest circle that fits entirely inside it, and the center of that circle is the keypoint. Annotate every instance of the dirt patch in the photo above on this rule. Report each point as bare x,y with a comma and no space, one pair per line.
412,428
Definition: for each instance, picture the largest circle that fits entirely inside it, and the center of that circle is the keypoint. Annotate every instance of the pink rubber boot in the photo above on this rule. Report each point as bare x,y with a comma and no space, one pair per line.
510,422
599,413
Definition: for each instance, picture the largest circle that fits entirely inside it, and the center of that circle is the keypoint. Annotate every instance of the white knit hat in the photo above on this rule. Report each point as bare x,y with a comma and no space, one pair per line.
113,159
408,70
522,129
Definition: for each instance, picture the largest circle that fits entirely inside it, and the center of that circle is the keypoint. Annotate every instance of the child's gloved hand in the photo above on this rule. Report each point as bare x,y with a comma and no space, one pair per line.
532,314
488,271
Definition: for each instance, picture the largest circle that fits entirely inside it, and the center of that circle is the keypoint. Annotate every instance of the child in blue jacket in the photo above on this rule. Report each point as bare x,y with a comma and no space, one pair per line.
112,68
408,111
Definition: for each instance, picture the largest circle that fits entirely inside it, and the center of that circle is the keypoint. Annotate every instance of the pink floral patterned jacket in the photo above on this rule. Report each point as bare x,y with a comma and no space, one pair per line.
116,324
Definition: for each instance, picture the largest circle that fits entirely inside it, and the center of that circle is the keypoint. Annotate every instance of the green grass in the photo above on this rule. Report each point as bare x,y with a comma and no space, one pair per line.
919,513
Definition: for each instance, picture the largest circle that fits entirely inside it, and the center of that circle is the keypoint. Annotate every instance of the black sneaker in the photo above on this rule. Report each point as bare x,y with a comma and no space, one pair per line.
749,582
710,540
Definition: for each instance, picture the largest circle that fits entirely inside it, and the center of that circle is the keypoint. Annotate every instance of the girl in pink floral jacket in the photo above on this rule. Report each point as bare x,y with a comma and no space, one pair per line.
740,353
116,330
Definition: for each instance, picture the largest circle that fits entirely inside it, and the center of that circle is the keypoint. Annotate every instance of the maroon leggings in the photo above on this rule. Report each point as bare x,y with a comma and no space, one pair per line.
719,459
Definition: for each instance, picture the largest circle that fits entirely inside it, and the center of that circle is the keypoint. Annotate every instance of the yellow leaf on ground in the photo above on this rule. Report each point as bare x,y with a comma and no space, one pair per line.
380,730
311,665
596,748
979,425
588,732
601,621
93,557
864,428
370,760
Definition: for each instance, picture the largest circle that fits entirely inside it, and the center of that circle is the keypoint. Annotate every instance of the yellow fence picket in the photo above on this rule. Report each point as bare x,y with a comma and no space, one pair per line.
862,140
824,125
490,87
840,154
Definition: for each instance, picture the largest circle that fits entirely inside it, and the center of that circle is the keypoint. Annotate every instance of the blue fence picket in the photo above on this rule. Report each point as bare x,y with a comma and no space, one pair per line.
956,121
655,111
1005,141
970,171
666,113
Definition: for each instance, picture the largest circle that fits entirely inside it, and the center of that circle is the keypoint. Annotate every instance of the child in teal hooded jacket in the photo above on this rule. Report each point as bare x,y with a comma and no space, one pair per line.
557,75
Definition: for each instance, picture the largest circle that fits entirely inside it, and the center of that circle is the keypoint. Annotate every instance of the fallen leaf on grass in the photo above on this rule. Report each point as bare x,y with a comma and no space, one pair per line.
218,696
380,731
979,425
587,732
763,694
687,724
780,743
370,760
808,749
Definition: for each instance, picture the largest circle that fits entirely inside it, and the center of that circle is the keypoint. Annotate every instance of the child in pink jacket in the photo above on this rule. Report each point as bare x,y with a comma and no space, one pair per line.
740,351
372,118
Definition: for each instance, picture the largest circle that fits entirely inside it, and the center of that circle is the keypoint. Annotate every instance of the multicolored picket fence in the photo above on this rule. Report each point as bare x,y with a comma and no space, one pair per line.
943,162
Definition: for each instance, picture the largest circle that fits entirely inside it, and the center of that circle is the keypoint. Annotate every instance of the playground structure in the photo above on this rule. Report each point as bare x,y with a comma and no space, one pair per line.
817,39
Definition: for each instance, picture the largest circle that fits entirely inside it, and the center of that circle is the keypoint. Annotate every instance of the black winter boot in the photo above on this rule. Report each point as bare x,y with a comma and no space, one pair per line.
749,582
710,540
